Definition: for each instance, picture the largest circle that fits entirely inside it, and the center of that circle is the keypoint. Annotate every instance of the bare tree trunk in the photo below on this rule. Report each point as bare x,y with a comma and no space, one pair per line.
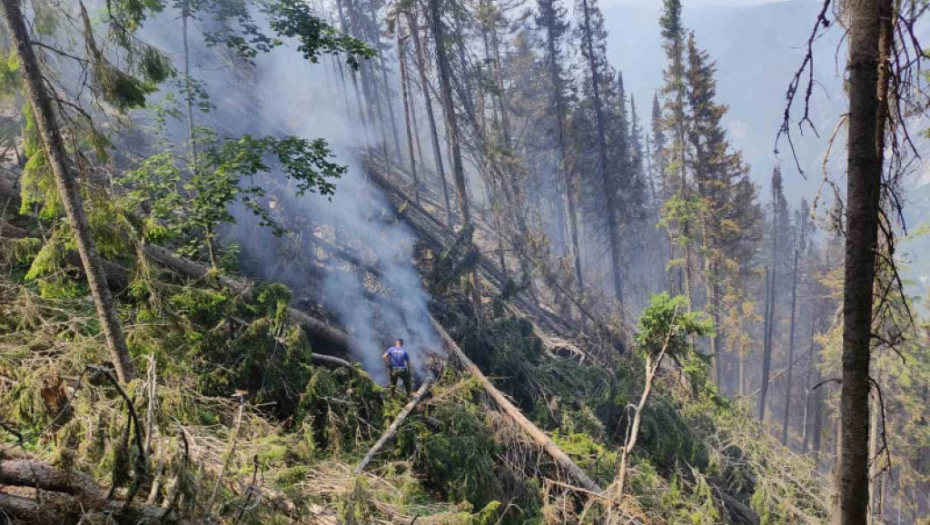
873,458
431,117
870,35
613,227
565,173
766,348
395,425
68,189
458,170
652,367
809,394
794,300
402,59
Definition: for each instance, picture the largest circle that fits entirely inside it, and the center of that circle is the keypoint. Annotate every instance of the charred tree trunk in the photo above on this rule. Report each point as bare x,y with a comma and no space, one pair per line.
445,85
612,225
404,82
66,181
794,299
870,35
430,115
766,343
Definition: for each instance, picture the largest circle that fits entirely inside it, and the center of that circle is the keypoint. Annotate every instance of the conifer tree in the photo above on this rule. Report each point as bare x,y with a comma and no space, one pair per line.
727,211
675,121
552,20
592,36
437,26
658,154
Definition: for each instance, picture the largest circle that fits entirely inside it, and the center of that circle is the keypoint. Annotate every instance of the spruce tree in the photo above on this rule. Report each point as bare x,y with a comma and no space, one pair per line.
727,211
591,36
679,215
552,20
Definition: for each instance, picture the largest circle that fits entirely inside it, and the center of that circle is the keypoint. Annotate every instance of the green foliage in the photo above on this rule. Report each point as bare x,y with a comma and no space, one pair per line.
196,206
9,75
287,19
508,349
594,457
37,182
667,438
667,324
295,19
143,67
459,460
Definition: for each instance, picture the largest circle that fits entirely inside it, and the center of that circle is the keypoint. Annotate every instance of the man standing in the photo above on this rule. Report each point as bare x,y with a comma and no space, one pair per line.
398,362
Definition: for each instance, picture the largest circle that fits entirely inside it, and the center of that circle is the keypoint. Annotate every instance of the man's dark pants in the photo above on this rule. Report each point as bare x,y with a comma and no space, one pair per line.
404,375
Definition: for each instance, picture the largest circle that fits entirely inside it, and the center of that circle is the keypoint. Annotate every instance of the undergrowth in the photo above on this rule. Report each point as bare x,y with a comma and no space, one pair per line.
238,422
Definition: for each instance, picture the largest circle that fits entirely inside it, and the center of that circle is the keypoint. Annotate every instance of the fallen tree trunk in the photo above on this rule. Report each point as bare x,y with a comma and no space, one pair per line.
436,234
8,231
395,426
66,497
537,435
740,513
314,327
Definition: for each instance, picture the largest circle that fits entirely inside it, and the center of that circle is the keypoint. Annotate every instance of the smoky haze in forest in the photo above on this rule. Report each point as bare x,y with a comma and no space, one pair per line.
284,95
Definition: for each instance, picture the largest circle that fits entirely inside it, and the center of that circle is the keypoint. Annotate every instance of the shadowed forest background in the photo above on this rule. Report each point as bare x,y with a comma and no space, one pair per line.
653,263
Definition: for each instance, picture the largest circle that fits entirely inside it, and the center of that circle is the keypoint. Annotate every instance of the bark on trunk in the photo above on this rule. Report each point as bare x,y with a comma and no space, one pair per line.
448,105
66,497
766,350
869,41
68,189
612,224
430,115
794,300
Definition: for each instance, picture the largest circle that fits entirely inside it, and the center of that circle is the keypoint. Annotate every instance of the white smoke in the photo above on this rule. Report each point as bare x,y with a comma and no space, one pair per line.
283,94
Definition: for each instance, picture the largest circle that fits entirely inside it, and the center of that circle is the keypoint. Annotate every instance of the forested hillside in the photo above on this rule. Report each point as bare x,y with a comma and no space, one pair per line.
432,261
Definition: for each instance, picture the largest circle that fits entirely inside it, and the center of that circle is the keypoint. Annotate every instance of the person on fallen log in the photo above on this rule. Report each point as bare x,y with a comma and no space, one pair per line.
398,362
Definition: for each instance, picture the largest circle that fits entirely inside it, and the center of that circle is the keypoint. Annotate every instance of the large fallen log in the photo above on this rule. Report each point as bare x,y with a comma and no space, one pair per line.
434,233
537,435
8,231
395,426
314,327
66,497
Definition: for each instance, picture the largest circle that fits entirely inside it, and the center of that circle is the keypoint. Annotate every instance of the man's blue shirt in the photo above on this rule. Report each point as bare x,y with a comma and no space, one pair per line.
398,357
